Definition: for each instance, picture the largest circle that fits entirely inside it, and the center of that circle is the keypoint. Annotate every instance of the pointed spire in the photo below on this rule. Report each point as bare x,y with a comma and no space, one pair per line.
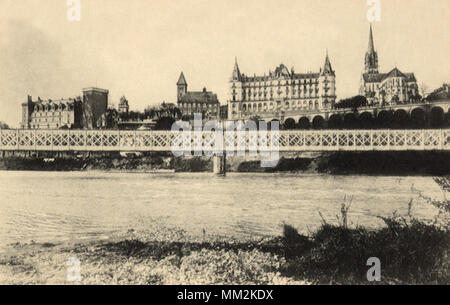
236,72
181,79
371,45
371,59
327,66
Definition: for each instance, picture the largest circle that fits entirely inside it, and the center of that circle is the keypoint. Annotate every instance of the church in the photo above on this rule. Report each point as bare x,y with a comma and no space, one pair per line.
394,87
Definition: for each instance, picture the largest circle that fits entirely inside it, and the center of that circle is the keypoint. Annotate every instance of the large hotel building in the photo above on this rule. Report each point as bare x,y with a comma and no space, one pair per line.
281,92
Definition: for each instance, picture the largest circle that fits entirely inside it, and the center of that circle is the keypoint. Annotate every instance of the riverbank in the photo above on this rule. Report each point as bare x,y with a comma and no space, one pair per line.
410,254
433,163
154,256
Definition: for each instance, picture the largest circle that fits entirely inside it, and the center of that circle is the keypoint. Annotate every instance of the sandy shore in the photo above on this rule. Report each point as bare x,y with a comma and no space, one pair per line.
156,256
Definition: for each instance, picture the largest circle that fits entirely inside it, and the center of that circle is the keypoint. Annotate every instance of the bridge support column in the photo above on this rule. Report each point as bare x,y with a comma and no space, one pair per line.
220,165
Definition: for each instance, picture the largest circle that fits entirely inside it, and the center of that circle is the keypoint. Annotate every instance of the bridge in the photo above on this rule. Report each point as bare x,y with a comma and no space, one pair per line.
285,140
421,114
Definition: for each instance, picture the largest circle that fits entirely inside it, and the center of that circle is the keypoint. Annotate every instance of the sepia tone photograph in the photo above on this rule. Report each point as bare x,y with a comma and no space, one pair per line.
207,142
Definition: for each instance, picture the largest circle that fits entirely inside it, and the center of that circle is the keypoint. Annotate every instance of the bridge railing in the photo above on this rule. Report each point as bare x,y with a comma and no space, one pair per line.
295,140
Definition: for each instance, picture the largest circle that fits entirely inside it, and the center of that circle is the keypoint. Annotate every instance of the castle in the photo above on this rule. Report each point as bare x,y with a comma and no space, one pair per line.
88,111
389,88
280,92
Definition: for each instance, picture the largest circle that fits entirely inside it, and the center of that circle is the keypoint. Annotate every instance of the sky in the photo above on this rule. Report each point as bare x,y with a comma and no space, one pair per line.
138,48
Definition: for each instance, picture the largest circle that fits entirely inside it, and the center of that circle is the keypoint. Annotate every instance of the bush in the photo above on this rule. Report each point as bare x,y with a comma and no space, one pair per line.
414,253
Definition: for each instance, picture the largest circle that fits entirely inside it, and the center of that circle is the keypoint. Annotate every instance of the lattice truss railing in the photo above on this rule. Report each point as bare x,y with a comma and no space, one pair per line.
208,142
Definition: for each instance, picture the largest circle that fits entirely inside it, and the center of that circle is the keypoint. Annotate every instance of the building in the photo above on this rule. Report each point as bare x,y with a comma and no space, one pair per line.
224,112
51,114
123,105
281,92
190,102
88,111
94,106
440,94
386,88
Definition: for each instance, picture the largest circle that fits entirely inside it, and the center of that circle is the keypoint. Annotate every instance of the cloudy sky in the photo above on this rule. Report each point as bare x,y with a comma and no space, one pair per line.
139,47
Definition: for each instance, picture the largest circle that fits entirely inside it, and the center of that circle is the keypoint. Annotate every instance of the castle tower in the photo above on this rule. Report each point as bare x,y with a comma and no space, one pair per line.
181,87
327,69
327,85
94,107
124,107
235,91
236,76
371,59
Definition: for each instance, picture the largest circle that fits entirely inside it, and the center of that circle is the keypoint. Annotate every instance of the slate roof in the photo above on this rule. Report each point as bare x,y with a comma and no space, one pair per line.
395,73
199,97
373,77
181,80
378,77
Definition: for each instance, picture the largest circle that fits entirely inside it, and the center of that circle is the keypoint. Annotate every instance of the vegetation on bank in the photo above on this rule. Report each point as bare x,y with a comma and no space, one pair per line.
411,251
434,163
284,165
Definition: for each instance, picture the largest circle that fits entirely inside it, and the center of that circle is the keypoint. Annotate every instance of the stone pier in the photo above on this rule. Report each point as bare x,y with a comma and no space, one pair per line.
219,165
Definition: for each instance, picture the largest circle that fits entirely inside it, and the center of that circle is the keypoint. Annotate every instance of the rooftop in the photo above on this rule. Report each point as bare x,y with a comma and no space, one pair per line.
95,89
199,97
379,77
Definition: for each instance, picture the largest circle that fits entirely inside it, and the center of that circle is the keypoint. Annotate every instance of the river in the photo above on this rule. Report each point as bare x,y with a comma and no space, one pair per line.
57,206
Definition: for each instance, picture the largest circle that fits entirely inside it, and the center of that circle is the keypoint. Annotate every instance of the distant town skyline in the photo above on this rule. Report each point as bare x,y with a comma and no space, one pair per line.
139,48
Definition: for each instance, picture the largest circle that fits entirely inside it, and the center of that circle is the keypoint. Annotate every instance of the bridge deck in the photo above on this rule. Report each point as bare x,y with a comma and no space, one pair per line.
297,140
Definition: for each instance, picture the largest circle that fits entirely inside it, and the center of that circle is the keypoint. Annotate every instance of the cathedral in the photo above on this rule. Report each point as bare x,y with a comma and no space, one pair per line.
389,88
281,92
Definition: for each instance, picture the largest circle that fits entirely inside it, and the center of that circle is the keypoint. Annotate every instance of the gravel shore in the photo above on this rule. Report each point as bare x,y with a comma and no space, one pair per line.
156,256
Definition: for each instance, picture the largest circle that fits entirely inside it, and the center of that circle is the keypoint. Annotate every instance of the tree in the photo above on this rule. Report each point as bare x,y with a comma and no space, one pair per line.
3,125
164,115
423,89
112,118
395,99
416,98
353,102
164,123
152,112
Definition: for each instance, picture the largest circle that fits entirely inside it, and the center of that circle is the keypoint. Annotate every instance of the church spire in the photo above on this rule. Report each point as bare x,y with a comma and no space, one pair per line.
371,59
371,46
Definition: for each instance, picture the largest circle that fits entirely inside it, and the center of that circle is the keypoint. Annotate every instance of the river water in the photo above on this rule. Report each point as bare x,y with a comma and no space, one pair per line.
56,206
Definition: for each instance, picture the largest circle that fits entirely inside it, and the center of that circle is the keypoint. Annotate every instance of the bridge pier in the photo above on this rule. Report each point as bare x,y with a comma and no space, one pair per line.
220,165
